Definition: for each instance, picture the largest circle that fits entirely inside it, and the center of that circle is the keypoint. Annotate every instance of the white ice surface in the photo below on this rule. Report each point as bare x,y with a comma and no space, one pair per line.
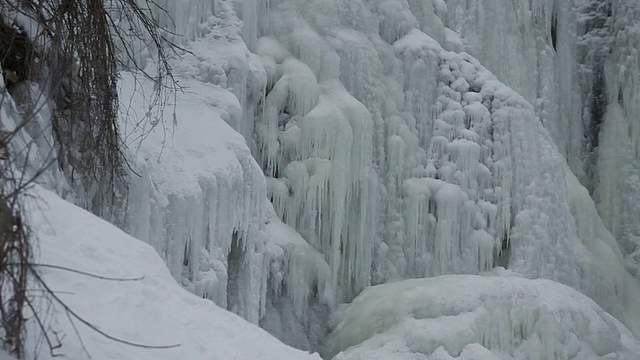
395,158
391,156
477,317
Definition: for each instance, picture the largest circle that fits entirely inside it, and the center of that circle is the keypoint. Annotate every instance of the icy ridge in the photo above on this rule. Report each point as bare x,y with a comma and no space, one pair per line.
582,77
533,48
617,188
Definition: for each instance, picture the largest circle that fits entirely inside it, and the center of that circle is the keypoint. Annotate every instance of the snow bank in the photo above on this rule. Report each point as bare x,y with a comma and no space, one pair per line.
477,317
154,310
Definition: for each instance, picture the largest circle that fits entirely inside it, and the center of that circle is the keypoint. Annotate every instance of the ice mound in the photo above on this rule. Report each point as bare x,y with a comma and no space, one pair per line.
477,317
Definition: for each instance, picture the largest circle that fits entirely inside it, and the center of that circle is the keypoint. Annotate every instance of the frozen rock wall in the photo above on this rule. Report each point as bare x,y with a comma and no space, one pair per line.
396,158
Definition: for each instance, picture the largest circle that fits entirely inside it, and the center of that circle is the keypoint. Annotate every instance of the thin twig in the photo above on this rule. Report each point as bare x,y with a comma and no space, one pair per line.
94,327
101,277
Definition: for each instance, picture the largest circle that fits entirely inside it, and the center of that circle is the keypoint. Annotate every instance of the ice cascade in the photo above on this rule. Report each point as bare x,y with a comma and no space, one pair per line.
396,158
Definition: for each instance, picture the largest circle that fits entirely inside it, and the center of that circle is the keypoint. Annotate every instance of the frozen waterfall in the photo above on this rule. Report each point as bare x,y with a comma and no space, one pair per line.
391,153
380,152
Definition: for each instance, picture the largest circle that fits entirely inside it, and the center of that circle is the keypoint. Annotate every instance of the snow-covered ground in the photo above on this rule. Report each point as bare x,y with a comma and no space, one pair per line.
154,310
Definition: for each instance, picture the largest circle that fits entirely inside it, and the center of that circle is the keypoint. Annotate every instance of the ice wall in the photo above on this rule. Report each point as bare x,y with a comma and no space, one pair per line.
395,158
26,107
388,152
197,192
617,187
300,291
576,61
532,46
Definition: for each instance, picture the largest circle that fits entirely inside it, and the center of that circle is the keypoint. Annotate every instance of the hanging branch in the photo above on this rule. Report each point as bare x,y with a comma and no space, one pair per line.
100,277
85,43
75,54
93,327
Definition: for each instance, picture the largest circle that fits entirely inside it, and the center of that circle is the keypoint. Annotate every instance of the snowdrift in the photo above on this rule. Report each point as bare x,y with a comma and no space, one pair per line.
153,311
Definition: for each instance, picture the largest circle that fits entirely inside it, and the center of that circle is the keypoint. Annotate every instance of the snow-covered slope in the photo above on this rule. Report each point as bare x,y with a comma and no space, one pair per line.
154,310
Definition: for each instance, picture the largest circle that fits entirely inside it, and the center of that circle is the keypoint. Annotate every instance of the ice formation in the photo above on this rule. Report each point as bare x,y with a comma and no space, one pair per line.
477,317
583,88
618,176
199,197
453,166
533,48
391,156
199,192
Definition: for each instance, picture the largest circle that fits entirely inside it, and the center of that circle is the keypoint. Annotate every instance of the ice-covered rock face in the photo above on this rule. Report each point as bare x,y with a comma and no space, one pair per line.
395,158
474,317
387,155
581,59
198,194
617,187
532,46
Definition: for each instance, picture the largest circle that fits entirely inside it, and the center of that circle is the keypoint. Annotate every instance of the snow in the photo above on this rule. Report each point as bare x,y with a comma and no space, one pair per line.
154,310
476,317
